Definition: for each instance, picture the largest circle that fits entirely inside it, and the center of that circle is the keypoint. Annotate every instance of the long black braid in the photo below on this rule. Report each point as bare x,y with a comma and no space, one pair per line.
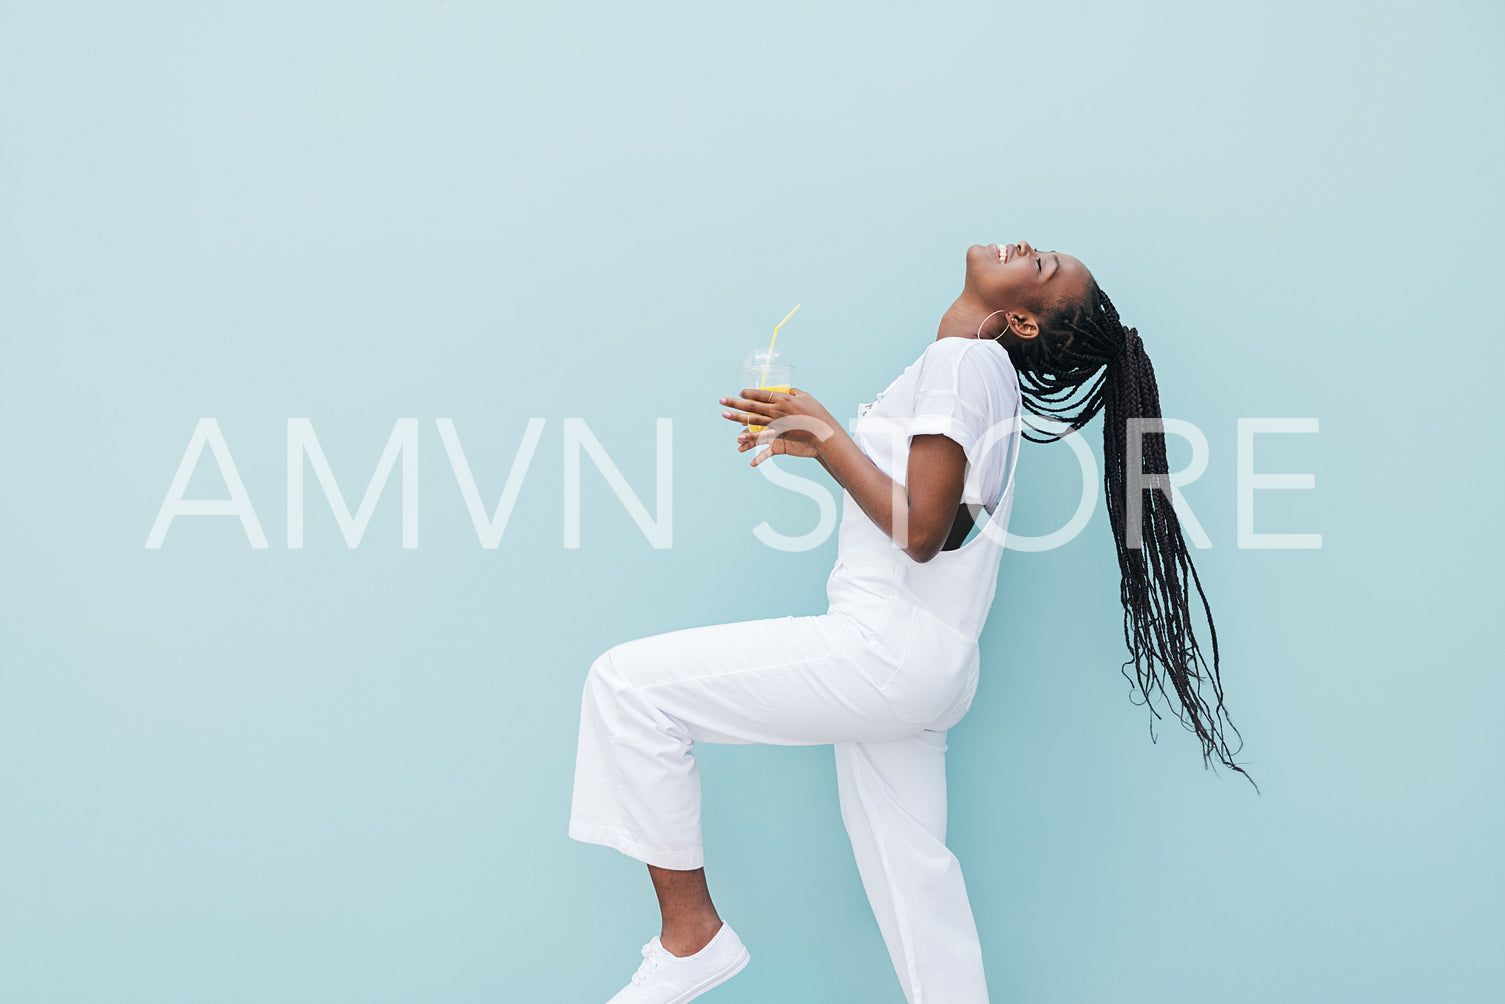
1083,361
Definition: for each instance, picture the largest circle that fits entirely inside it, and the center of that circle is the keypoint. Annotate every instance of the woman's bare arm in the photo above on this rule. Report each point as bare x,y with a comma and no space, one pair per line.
917,520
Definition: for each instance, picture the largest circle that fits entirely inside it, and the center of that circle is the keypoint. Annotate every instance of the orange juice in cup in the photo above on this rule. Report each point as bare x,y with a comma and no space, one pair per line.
767,370
775,375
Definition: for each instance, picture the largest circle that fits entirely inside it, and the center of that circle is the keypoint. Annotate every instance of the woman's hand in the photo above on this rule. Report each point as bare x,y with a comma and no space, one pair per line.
795,423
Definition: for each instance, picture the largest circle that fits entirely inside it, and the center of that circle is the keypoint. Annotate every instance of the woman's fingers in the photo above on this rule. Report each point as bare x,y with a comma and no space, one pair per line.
776,448
749,440
769,395
774,433
760,411
745,404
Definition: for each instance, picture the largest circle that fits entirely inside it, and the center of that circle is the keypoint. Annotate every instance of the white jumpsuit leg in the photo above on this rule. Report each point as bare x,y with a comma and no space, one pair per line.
883,687
893,801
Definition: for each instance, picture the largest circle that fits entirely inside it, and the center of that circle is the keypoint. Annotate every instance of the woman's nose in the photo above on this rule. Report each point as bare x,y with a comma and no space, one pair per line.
1026,249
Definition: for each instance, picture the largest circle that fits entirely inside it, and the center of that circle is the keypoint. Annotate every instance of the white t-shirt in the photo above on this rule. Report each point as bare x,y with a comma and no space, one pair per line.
962,388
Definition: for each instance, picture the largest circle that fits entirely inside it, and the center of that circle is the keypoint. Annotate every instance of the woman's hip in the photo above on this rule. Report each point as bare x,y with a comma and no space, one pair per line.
880,674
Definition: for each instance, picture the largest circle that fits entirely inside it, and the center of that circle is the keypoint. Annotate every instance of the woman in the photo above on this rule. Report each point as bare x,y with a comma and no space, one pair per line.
894,662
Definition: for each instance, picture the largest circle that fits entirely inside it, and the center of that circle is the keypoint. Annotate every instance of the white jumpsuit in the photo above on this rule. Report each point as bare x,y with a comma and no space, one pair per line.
883,674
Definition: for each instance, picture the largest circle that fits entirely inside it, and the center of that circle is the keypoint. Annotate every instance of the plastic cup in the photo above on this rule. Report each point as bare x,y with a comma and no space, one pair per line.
773,376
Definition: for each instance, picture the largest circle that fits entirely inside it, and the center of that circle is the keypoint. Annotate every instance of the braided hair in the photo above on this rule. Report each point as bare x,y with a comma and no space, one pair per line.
1085,360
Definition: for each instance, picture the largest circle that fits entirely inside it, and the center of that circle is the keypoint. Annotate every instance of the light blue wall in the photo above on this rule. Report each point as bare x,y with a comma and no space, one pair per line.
326,775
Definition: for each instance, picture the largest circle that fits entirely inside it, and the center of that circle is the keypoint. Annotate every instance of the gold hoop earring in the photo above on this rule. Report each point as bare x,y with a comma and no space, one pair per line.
985,320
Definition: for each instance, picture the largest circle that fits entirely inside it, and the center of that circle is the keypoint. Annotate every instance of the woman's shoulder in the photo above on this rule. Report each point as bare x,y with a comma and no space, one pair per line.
961,345
959,351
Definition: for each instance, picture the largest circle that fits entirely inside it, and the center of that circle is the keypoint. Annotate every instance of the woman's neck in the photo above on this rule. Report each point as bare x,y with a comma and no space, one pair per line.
963,318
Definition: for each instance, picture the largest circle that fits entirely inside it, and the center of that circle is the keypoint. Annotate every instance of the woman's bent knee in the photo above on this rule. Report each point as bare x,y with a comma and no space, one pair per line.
603,674
613,674
627,665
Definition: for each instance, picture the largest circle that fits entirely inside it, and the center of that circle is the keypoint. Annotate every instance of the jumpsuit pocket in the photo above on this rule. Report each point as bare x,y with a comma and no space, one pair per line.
935,678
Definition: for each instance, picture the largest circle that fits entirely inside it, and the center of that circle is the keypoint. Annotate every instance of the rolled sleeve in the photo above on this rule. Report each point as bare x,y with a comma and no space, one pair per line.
953,399
949,400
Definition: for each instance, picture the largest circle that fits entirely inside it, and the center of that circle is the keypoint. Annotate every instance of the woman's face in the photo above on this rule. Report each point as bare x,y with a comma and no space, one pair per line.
1016,277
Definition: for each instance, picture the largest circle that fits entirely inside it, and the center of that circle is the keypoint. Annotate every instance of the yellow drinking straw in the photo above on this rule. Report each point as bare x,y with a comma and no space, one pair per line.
764,378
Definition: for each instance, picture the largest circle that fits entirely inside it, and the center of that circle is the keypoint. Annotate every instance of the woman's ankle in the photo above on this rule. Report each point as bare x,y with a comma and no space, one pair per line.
686,937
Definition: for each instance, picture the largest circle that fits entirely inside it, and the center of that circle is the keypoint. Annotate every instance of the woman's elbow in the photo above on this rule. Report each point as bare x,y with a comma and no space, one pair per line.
924,548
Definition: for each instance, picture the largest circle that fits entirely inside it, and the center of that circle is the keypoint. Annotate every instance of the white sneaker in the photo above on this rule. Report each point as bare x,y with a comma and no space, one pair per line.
665,978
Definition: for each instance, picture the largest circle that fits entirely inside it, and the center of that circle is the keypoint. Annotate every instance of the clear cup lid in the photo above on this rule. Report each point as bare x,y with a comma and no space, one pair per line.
760,357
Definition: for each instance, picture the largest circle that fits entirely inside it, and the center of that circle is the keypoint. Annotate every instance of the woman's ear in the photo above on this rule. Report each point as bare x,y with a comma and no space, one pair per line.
1023,325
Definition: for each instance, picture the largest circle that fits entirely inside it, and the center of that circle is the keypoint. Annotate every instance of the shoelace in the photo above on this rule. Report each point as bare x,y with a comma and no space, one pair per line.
649,964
